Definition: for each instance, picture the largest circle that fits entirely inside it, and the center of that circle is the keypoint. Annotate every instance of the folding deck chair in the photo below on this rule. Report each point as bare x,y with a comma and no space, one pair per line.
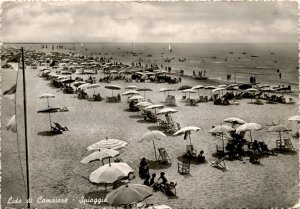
184,168
163,156
219,163
289,145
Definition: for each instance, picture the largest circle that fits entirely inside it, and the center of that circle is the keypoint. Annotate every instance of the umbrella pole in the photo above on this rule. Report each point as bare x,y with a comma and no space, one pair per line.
154,150
250,136
50,121
190,138
48,102
223,143
280,139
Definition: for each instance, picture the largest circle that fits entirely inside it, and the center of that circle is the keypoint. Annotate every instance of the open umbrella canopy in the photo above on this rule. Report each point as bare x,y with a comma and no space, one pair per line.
278,128
113,87
83,86
252,90
160,207
46,96
167,111
127,194
130,92
221,129
151,135
184,87
93,86
248,127
221,86
131,87
234,120
67,80
109,144
154,106
99,155
189,91
78,83
187,128
143,104
210,87
12,124
245,86
135,97
166,89
218,89
110,173
144,89
295,118
198,87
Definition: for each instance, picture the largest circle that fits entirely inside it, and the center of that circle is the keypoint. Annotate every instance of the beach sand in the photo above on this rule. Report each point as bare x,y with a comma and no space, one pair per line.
56,171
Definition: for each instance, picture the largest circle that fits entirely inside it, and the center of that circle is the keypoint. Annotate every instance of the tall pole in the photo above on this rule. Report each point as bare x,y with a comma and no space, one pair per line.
25,127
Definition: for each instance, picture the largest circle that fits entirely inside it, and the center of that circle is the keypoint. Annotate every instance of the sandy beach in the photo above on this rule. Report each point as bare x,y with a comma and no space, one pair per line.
56,171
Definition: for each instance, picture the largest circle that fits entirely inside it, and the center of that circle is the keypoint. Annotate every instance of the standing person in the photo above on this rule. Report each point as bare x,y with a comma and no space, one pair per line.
280,75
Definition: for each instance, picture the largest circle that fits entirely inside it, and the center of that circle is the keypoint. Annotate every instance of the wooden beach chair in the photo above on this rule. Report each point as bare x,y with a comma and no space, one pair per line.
289,145
163,156
219,163
184,168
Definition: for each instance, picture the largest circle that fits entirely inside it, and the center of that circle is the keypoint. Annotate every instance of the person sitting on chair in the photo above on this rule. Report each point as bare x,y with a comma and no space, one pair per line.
161,182
255,145
201,158
144,168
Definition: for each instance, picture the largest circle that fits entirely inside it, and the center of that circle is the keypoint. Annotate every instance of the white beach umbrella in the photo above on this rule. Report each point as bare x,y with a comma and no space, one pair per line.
160,207
136,97
109,144
110,173
131,87
113,87
143,104
187,130
83,86
222,129
248,127
295,118
279,129
99,155
234,120
130,92
154,107
167,111
127,194
166,90
151,136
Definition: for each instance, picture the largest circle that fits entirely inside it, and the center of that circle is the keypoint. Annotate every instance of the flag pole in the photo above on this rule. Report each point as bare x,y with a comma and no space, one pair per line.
25,127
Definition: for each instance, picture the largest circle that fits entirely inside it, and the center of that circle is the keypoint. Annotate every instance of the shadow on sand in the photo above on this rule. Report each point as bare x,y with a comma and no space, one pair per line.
48,133
156,165
135,116
153,128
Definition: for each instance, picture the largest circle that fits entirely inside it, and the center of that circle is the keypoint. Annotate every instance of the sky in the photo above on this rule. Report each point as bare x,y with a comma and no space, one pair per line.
150,22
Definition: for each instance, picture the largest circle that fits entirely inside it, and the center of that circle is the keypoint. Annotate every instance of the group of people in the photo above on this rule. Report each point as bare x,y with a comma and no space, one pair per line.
161,184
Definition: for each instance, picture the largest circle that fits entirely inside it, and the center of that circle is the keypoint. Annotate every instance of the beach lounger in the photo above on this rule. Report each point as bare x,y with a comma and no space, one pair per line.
289,145
163,156
184,168
219,163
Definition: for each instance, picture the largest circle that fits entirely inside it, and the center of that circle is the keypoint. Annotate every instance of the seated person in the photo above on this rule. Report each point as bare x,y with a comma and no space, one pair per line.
143,168
146,182
152,180
264,148
255,145
201,158
118,97
161,181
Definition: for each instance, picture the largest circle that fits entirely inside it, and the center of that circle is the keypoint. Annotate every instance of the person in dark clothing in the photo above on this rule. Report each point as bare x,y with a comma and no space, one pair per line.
144,168
146,182
152,180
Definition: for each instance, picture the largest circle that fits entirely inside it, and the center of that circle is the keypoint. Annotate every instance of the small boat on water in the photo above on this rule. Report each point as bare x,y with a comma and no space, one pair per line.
170,48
